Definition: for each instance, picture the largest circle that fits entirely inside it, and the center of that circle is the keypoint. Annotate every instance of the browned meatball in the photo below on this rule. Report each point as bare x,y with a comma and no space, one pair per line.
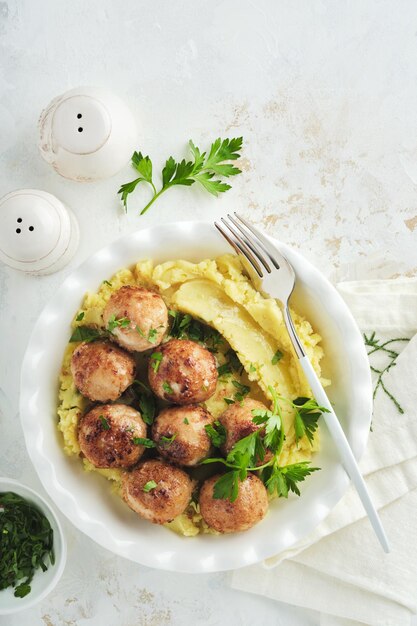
180,435
106,435
102,371
238,422
183,372
146,312
250,506
157,490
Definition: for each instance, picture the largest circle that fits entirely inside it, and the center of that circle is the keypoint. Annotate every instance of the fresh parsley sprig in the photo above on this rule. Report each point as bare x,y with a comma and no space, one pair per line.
205,168
248,455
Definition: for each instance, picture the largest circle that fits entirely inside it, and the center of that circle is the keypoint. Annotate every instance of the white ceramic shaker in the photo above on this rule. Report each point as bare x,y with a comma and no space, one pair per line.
87,134
38,234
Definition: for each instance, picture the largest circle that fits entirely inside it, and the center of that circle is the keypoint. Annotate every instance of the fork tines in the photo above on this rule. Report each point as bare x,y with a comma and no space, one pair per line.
249,241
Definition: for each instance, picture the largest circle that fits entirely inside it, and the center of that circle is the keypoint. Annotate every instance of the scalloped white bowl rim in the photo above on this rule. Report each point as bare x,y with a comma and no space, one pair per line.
43,582
87,501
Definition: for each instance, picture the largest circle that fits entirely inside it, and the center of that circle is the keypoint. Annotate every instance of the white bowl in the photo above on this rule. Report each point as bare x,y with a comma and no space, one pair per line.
43,582
87,499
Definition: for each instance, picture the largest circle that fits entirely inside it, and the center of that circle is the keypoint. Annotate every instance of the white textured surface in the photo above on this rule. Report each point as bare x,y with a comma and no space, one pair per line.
325,94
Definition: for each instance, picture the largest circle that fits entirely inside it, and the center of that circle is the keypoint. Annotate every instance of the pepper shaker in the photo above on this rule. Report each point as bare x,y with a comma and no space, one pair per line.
87,134
38,234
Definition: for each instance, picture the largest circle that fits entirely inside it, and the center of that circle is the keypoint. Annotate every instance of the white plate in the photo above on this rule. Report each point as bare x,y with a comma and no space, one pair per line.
43,582
87,499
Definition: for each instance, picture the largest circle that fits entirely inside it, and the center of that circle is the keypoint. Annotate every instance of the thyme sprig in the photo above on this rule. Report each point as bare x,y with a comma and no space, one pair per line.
385,347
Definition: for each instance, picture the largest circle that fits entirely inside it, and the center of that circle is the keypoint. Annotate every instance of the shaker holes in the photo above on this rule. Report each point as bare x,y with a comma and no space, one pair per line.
80,130
31,228
19,220
18,230
79,116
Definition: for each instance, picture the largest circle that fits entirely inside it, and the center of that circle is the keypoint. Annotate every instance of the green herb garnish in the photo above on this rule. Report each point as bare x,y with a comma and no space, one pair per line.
167,387
146,402
80,316
104,422
202,169
248,454
217,433
143,441
153,335
377,346
307,413
26,543
114,322
106,282
85,333
277,357
156,358
151,484
185,421
167,441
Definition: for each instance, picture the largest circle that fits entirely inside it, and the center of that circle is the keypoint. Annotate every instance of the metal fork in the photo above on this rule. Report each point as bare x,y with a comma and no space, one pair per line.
271,272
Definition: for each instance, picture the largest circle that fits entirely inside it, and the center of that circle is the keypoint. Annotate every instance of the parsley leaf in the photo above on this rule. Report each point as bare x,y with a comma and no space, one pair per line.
217,433
156,358
277,357
205,168
146,402
151,484
227,487
85,333
80,316
114,322
307,413
167,387
104,422
282,480
167,441
143,441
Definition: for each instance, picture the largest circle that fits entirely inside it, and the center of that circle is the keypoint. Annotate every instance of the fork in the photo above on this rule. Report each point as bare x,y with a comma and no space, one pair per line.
272,273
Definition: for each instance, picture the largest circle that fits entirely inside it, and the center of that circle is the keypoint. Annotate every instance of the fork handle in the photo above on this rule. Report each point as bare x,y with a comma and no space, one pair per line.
348,460
337,433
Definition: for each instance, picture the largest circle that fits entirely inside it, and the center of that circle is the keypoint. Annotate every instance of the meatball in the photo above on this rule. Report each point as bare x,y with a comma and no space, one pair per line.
250,506
157,490
183,373
102,371
106,435
144,313
238,422
180,435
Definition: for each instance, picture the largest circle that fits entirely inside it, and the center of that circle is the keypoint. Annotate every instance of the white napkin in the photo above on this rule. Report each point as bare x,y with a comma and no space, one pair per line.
340,569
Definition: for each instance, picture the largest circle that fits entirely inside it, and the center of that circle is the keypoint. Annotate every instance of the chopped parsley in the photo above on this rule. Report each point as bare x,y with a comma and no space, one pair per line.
85,333
107,282
114,322
104,422
156,358
143,441
167,441
151,484
216,432
26,543
277,357
185,421
80,316
167,387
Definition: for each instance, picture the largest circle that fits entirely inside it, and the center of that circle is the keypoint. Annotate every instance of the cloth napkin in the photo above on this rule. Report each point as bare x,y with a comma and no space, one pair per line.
340,569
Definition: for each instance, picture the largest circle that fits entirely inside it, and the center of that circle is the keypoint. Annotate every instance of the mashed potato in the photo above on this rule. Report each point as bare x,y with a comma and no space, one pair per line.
219,294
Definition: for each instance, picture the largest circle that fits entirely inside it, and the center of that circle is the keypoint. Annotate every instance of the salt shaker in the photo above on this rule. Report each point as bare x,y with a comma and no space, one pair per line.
38,234
87,134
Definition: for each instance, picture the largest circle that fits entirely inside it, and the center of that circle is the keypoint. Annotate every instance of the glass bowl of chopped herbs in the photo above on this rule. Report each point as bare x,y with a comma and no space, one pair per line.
32,547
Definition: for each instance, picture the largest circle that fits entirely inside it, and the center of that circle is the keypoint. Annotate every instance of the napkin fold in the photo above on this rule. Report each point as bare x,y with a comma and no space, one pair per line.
340,569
